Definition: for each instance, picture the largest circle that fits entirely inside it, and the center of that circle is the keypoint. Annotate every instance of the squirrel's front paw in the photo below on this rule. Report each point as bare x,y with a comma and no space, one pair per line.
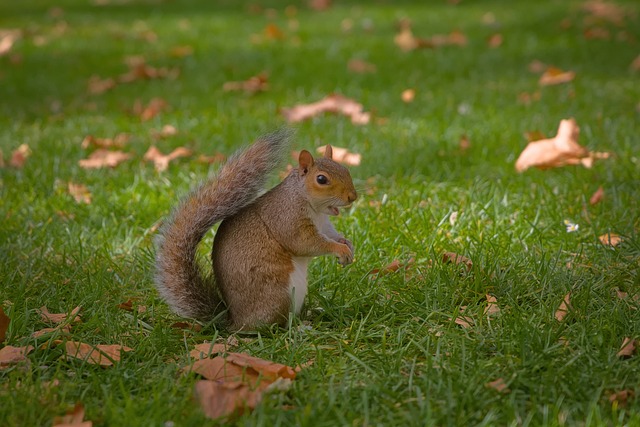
346,242
345,255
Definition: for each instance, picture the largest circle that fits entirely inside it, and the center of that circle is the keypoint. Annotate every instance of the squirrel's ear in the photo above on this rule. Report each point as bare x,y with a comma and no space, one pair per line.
328,152
306,161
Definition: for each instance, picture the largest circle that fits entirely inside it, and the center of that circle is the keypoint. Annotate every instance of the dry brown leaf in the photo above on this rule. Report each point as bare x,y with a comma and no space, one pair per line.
319,5
273,32
19,156
140,70
58,317
268,369
334,103
4,324
255,84
392,267
181,51
628,348
218,369
128,306
216,158
596,33
342,155
405,39
10,355
103,355
102,158
605,10
119,141
149,111
635,65
537,66
65,329
80,192
498,385
464,321
561,150
196,327
361,66
165,132
452,257
492,307
97,85
464,144
620,398
7,39
610,239
73,418
202,351
564,307
495,40
408,95
224,399
161,161
597,196
555,76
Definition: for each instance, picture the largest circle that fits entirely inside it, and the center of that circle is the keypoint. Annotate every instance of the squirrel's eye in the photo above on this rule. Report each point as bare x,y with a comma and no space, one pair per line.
322,180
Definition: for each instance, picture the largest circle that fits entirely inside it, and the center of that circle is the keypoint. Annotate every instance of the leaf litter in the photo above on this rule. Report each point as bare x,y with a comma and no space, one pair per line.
334,103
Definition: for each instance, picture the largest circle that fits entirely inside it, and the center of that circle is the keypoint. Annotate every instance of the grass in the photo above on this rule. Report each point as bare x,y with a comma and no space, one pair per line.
386,350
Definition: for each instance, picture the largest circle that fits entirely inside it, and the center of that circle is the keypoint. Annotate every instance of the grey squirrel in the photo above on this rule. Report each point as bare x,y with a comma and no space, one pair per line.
263,245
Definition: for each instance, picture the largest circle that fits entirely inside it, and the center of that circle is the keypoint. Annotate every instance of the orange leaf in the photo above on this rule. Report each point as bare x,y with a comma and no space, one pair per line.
58,317
495,40
79,192
73,418
498,385
635,65
103,158
564,307
4,324
492,307
628,348
333,103
19,156
610,239
224,399
408,95
253,85
561,150
452,257
620,398
269,370
64,328
152,109
118,142
161,161
10,355
464,321
103,355
202,351
186,325
555,76
97,85
7,39
360,66
219,369
342,155
597,196
139,70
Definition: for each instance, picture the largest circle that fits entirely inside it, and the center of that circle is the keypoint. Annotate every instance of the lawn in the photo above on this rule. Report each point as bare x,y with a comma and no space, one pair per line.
411,347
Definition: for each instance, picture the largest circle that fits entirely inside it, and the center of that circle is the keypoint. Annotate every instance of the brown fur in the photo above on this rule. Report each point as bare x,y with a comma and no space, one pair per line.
258,239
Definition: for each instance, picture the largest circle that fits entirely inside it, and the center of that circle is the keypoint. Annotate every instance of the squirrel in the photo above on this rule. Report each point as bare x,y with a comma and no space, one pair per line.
263,246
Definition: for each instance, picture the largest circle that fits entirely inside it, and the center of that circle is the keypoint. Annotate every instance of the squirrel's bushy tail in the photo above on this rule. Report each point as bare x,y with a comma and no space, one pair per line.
177,274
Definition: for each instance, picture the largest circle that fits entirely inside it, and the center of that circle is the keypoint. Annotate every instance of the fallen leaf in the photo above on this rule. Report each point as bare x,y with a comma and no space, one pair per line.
342,155
196,327
620,398
273,32
65,329
464,321
202,351
360,66
19,156
73,418
498,385
333,103
597,33
216,158
4,324
408,95
298,368
10,355
165,132
537,66
495,40
102,158
218,369
79,192
464,144
161,161
181,51
253,85
58,317
7,39
605,10
554,76
97,85
319,5
492,307
564,307
224,399
628,348
610,239
149,111
268,369
405,39
128,306
597,196
392,267
452,257
119,141
140,70
103,355
561,150
635,65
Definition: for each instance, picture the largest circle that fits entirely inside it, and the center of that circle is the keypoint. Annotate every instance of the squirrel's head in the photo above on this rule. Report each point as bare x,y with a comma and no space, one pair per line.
328,183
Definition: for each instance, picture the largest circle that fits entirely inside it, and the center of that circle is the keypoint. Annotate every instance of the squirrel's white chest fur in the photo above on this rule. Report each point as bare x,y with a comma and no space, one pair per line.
298,283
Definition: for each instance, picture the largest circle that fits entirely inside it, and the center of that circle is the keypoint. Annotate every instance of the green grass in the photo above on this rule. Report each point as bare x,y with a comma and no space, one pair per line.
386,350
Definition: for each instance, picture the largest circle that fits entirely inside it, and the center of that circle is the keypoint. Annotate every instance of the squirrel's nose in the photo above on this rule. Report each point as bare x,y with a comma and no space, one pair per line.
352,196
